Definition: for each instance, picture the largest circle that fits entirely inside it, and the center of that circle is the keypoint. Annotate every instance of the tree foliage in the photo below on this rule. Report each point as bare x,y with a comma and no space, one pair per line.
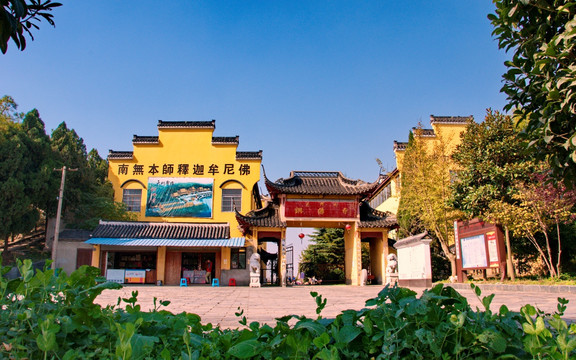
22,175
20,17
425,190
541,209
540,81
491,158
29,185
324,258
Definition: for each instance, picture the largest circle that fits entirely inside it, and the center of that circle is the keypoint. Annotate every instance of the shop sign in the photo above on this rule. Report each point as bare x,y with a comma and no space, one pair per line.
321,209
135,276
183,169
180,197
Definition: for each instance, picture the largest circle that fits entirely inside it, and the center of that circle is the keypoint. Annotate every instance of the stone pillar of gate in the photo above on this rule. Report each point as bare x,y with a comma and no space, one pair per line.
353,255
378,255
282,258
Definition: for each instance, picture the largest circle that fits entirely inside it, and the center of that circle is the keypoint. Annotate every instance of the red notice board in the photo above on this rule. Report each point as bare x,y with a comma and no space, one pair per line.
479,245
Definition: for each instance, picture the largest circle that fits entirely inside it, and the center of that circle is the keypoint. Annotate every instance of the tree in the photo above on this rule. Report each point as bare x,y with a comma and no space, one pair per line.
41,153
425,190
324,258
492,158
22,175
19,17
542,207
540,81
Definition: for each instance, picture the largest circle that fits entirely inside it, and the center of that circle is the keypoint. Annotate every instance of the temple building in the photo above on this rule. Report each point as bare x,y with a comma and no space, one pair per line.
323,199
183,187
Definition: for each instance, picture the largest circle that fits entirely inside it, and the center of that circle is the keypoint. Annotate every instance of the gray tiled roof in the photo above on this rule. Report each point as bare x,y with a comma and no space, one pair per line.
226,140
318,183
187,124
74,235
149,230
145,139
450,119
400,146
372,218
249,155
424,132
120,155
265,217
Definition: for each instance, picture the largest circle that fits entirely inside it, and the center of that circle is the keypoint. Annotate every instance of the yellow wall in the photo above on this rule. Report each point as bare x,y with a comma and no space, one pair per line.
448,134
188,146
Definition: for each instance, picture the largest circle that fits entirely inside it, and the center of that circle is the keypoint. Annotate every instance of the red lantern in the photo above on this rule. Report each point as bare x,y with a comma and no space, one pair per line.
348,227
301,235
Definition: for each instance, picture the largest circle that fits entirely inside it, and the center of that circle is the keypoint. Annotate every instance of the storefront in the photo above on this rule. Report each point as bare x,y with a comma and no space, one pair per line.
166,252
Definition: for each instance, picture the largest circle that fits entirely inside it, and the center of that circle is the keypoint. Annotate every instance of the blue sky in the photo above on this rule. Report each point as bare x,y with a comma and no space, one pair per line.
316,85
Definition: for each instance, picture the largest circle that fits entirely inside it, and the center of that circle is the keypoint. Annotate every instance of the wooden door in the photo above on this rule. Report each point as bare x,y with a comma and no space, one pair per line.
83,257
173,267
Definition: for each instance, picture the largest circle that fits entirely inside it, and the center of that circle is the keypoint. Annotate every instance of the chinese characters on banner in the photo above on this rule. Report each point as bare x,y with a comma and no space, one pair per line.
183,169
321,208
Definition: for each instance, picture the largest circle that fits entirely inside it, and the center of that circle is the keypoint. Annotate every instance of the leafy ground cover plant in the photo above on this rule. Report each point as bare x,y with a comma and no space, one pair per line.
53,316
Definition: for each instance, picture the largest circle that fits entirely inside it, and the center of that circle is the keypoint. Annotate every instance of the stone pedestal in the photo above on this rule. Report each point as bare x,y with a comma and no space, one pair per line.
254,280
392,279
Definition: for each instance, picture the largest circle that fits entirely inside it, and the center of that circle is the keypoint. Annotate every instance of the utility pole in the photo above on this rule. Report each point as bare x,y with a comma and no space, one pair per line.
59,214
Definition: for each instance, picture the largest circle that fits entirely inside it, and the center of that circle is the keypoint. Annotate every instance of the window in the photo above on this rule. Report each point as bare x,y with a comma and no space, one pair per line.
231,198
238,258
132,198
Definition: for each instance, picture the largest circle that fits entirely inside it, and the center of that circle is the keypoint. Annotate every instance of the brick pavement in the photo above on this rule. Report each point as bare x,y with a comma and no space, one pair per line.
217,305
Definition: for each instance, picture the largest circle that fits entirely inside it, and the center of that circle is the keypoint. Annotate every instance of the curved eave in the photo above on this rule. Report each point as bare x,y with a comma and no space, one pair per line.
371,218
265,217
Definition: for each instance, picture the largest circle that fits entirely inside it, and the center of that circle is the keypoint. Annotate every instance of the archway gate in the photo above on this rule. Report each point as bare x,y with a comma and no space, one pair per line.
324,200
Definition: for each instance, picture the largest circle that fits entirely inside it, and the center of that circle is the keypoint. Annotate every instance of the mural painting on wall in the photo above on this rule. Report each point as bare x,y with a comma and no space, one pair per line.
180,197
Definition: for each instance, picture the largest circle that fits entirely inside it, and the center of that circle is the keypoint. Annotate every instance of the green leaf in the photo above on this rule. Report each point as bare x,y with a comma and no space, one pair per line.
246,349
493,340
311,326
322,340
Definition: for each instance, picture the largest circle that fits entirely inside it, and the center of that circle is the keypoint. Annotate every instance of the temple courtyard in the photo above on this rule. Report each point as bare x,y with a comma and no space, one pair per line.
218,305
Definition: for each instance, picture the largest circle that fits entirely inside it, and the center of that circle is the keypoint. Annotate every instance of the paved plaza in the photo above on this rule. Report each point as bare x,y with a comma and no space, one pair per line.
218,305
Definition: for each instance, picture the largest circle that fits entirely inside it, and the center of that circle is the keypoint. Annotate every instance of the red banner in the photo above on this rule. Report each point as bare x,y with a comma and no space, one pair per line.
321,208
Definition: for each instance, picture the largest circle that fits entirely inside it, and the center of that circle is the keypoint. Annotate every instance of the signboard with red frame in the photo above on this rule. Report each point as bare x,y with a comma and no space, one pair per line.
479,245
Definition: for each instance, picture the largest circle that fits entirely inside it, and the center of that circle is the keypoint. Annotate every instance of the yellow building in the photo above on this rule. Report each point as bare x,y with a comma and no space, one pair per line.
445,130
184,186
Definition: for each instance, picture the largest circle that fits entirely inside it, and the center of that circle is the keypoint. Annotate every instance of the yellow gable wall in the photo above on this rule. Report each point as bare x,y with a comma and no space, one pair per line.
448,133
193,147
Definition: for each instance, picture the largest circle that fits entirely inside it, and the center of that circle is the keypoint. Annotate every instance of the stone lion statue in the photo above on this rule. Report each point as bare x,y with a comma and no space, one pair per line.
392,264
255,263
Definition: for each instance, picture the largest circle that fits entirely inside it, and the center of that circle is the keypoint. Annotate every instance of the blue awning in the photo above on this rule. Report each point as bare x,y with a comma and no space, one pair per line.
232,242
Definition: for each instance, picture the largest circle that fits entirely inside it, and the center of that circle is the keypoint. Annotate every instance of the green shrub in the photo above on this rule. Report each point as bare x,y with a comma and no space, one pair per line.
46,316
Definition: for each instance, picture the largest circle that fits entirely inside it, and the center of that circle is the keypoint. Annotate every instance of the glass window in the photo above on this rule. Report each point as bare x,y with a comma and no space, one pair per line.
132,199
238,258
231,198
